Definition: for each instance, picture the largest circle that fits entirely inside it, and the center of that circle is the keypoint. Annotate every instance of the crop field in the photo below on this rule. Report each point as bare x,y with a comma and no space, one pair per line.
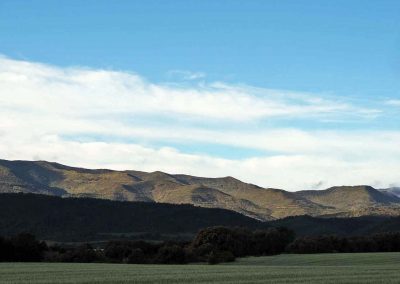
318,268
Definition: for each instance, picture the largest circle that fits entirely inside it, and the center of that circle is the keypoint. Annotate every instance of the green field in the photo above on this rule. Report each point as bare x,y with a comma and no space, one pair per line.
318,268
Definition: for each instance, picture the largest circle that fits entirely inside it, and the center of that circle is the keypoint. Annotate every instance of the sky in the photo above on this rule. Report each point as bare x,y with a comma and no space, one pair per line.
286,94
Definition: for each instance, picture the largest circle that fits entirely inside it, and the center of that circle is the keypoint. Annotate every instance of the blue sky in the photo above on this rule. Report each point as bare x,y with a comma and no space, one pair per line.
346,47
208,72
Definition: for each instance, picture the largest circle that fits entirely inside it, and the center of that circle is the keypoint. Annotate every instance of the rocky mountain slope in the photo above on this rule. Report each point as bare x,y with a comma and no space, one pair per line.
228,193
354,200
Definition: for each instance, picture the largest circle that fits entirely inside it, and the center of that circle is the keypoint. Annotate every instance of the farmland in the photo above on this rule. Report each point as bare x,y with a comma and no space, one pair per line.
317,268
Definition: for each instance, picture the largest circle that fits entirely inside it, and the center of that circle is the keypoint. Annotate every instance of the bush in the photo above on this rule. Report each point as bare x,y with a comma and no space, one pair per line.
220,256
271,241
236,241
241,242
22,247
85,253
171,254
384,242
6,250
117,251
136,256
127,251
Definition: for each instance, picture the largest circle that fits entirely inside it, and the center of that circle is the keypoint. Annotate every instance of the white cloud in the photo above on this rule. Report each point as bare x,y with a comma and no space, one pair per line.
281,171
393,102
77,91
46,112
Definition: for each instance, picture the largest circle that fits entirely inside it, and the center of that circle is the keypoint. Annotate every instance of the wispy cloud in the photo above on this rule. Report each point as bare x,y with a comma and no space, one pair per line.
186,75
86,92
46,111
393,103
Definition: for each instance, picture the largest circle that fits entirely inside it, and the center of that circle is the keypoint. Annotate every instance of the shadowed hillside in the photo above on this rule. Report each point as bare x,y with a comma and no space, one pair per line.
88,219
228,193
80,219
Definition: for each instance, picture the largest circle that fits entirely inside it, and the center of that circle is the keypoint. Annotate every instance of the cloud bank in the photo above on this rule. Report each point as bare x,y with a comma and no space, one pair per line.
113,119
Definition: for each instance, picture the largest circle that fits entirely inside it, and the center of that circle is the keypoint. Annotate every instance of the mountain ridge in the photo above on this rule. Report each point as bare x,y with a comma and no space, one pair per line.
51,178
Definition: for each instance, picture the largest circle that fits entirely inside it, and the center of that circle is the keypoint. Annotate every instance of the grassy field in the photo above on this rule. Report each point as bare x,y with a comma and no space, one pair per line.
320,268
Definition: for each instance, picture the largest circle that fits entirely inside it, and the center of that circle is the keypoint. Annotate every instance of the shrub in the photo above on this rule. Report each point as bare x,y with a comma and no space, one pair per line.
25,247
171,254
136,256
220,256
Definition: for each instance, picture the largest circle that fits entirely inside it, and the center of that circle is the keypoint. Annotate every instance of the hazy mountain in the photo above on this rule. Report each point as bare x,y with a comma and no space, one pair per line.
227,192
392,191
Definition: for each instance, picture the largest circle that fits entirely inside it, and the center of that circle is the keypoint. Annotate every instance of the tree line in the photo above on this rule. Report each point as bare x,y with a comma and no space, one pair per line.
382,242
212,245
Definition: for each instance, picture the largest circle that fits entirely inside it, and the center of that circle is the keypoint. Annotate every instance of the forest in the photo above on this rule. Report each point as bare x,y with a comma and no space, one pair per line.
212,245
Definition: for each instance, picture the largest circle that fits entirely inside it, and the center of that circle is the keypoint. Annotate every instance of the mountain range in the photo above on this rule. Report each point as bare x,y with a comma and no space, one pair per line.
41,177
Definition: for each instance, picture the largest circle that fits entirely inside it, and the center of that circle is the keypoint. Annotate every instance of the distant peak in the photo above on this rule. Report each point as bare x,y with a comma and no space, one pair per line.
159,173
352,187
230,178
